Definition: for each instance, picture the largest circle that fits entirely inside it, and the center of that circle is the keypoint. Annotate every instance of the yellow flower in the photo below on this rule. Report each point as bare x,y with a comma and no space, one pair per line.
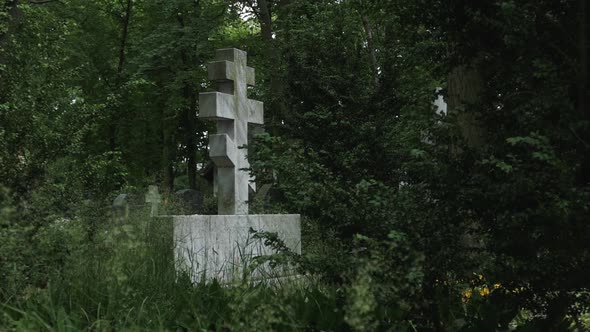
497,286
467,295
484,291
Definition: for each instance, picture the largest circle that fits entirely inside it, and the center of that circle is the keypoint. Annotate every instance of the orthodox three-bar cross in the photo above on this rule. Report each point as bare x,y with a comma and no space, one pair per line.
233,111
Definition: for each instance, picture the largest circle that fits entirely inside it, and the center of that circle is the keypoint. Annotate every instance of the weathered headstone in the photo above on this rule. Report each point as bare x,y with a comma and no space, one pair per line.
189,201
220,246
120,207
153,198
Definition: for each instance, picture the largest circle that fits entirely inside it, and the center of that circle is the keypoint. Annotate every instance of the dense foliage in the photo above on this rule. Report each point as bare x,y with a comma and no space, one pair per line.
476,219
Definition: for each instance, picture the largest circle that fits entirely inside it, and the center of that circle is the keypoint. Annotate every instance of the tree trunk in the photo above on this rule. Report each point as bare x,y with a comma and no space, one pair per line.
191,146
168,156
124,35
371,46
122,48
276,108
389,74
464,88
583,91
432,305
265,20
189,121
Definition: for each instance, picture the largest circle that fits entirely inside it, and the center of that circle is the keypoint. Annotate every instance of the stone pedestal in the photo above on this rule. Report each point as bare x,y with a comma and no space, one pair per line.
221,246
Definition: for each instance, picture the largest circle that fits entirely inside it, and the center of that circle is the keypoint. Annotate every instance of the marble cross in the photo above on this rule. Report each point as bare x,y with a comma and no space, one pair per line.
232,110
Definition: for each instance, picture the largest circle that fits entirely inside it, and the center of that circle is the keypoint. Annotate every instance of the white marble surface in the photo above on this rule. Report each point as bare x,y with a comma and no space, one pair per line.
232,110
220,246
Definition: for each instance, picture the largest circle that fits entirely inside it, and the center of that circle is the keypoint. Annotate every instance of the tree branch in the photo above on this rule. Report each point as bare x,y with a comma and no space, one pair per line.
255,9
371,46
124,35
41,2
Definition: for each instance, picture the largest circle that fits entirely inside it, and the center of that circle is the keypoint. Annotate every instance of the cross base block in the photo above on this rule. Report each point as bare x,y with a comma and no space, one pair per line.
221,246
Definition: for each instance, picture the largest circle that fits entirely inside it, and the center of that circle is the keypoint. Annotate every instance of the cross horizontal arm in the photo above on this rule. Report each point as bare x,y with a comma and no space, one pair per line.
222,150
225,71
216,105
255,111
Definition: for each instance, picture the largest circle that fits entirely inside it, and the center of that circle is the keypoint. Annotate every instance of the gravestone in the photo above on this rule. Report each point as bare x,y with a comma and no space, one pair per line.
189,201
154,199
220,246
120,207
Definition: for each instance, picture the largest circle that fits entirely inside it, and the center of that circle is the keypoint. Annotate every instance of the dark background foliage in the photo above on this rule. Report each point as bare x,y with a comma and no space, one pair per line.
405,210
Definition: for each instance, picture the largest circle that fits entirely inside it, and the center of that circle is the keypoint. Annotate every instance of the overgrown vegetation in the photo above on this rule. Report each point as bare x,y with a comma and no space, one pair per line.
472,220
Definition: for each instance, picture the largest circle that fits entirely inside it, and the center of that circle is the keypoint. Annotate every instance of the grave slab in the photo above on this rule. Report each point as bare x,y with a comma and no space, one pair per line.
221,246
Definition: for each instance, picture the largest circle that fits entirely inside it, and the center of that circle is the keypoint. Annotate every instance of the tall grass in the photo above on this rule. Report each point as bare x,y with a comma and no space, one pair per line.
125,279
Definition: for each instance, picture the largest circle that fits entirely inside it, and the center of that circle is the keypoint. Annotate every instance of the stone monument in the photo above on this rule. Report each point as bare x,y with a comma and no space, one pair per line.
120,208
220,246
232,110
153,198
